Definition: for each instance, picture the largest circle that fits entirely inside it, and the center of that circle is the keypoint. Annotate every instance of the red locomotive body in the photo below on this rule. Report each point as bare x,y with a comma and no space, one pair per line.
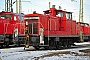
54,28
12,28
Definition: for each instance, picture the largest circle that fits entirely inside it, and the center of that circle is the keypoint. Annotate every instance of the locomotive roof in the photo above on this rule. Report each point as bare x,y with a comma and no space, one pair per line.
82,23
5,12
11,13
63,11
33,14
48,11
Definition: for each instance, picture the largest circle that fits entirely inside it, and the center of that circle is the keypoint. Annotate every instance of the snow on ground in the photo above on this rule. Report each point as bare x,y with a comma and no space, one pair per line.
66,54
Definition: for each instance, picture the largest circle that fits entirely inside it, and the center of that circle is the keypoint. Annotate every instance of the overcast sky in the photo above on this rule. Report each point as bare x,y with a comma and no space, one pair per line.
41,5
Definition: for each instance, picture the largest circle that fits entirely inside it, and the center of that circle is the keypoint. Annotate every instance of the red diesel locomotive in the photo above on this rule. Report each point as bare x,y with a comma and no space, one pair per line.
12,29
54,28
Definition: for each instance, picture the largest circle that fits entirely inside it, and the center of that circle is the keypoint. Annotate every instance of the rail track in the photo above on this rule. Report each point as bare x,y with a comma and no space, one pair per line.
18,53
72,47
31,48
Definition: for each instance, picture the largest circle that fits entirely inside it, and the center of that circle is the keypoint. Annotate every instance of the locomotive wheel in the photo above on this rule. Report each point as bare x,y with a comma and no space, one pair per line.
1,46
6,42
65,45
46,47
51,47
17,41
58,47
69,46
36,48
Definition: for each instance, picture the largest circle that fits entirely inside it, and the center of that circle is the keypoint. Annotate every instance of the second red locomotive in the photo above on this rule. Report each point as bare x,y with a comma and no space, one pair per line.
12,29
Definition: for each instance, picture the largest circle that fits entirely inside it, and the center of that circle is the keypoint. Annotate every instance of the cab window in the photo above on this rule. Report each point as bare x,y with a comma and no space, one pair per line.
60,14
68,16
6,16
